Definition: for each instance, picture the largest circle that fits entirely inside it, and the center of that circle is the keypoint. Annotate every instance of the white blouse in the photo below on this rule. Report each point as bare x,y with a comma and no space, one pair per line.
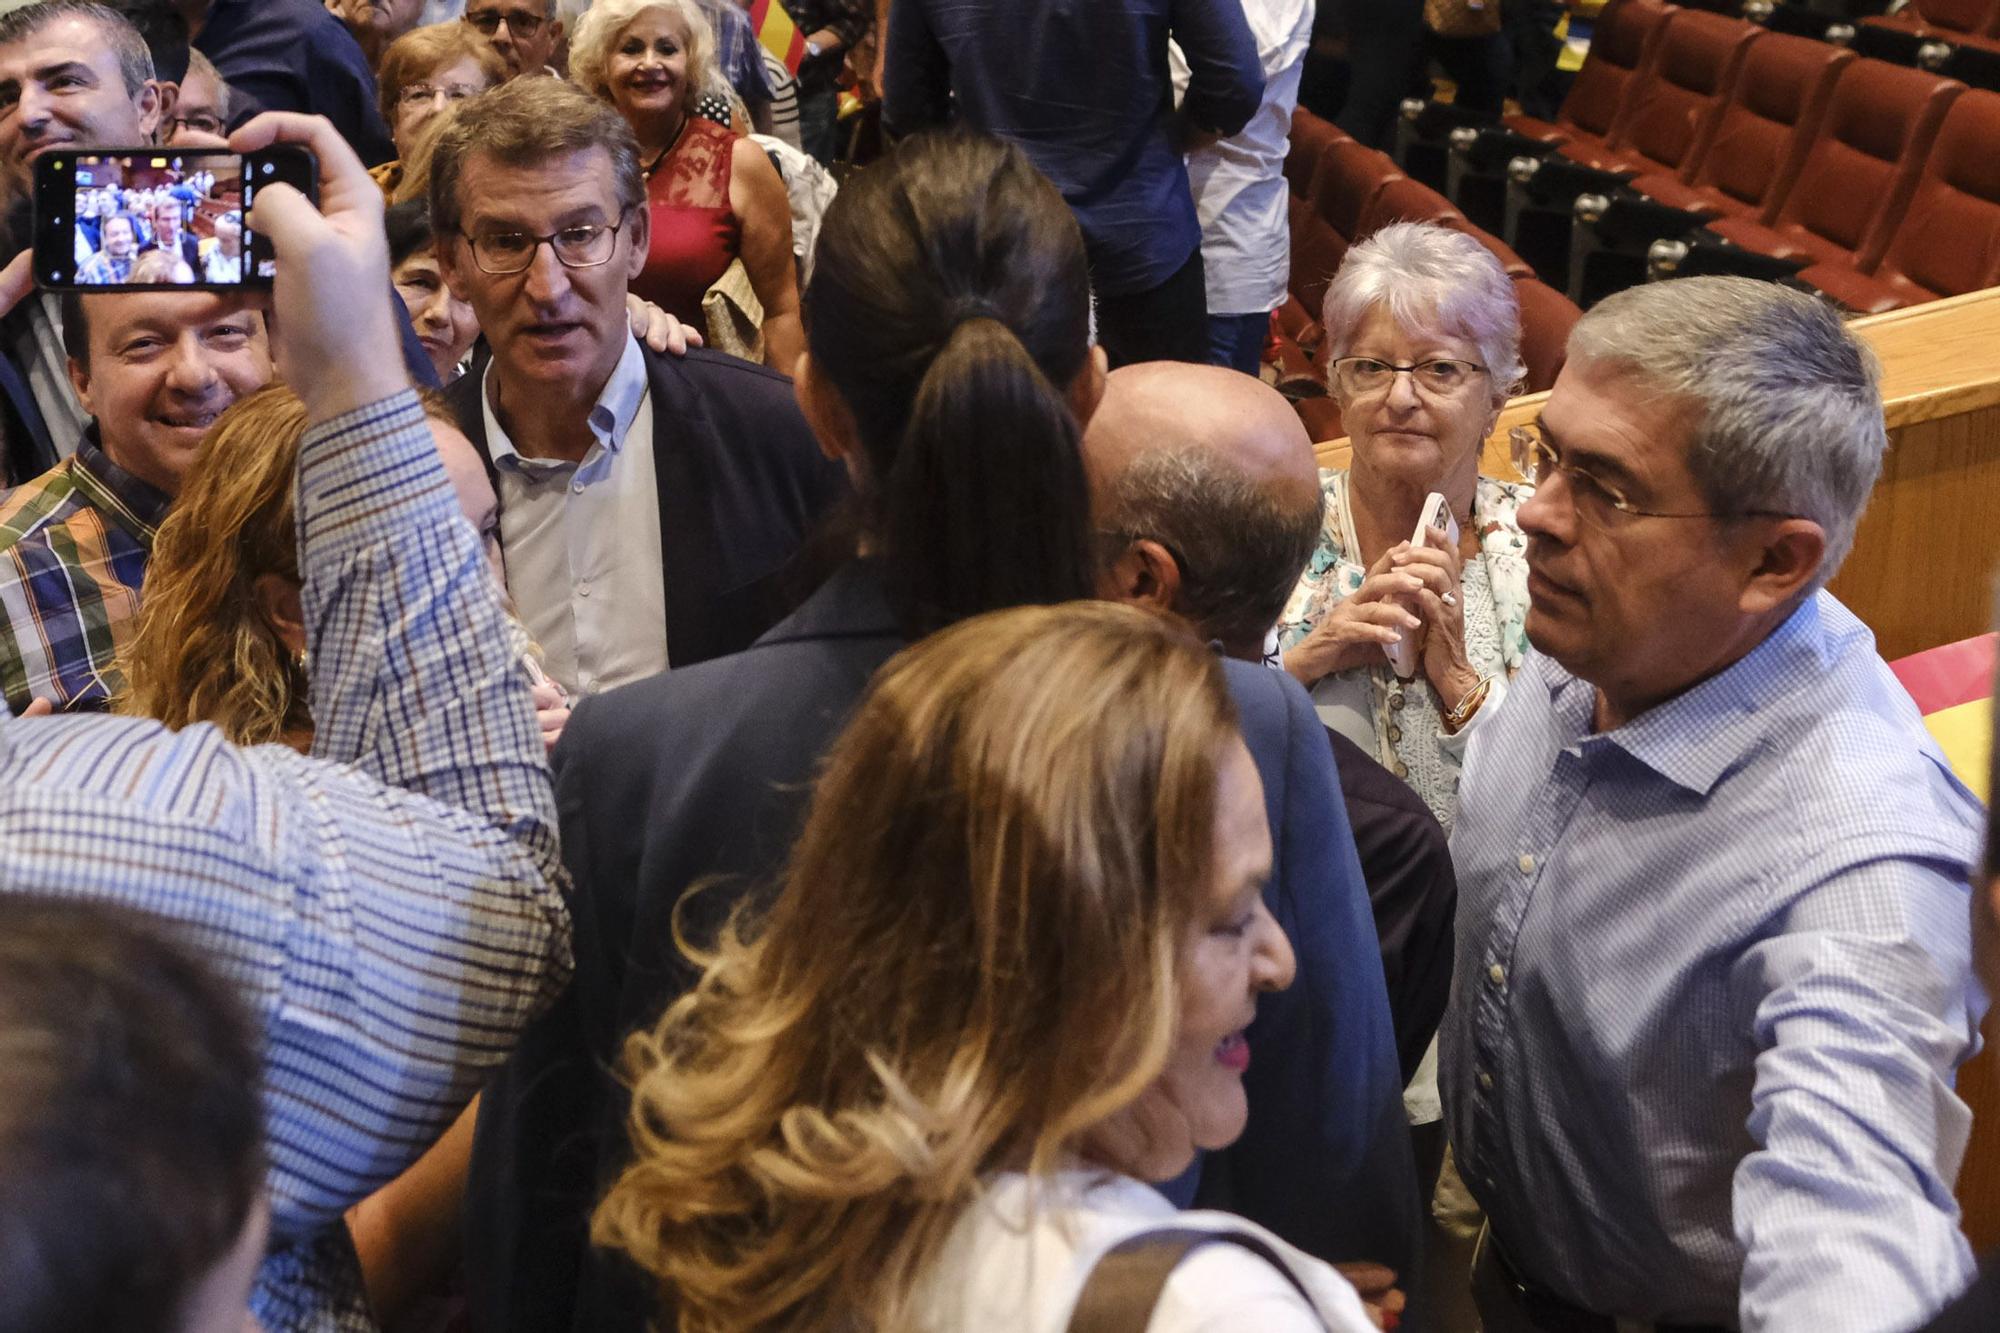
1018,1259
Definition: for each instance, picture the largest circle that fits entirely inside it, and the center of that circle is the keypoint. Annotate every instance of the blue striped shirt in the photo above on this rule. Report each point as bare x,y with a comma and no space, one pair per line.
1713,984
391,907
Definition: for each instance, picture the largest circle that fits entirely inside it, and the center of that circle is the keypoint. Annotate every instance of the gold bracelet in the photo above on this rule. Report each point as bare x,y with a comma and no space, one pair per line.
1474,697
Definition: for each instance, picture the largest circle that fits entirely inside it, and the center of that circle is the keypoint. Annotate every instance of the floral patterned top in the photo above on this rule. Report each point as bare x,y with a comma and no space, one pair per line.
1399,721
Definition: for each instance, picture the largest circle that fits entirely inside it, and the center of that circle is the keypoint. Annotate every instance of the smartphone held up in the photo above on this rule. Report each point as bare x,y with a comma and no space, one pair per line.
1436,518
158,219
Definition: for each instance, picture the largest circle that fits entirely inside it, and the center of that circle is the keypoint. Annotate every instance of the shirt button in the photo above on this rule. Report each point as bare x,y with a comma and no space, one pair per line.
1527,864
1485,1080
1395,733
1498,974
1396,702
1402,769
583,588
576,487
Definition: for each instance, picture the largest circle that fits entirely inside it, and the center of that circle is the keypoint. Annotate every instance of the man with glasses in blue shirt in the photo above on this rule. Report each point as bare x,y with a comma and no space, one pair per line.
1713,976
647,504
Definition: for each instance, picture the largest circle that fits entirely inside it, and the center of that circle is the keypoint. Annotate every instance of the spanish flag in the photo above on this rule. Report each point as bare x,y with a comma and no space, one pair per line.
1952,686
779,35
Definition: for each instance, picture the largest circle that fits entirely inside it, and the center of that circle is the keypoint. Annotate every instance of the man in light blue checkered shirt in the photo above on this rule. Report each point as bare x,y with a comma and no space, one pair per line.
1713,980
390,908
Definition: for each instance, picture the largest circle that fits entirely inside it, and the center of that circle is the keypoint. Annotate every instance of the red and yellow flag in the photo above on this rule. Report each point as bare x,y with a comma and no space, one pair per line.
778,34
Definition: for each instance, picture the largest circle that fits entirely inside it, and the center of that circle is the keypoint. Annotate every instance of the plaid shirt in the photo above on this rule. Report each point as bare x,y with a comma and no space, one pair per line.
390,908
74,543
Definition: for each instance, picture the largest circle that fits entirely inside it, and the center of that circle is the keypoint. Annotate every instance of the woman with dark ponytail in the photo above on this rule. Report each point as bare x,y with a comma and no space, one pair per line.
947,361
948,365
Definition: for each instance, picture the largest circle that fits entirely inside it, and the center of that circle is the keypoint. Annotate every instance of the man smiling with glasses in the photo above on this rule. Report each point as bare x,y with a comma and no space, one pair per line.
647,504
1713,982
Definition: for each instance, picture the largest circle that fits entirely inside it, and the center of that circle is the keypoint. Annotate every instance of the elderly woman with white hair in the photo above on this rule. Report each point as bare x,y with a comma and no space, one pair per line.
1425,333
713,197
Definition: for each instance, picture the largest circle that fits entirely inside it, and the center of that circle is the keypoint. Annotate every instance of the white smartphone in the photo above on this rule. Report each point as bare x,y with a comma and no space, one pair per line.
1436,515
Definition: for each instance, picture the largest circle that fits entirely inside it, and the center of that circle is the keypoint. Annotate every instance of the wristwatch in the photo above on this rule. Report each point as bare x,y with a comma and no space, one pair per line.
813,49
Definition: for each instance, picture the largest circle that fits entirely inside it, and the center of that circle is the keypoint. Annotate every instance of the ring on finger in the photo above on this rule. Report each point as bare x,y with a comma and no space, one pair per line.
1449,599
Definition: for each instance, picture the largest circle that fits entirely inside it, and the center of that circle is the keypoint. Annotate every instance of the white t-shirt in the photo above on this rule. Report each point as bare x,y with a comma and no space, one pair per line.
1238,182
1018,1259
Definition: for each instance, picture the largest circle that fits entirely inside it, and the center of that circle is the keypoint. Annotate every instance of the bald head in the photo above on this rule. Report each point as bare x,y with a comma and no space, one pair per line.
1208,478
1169,407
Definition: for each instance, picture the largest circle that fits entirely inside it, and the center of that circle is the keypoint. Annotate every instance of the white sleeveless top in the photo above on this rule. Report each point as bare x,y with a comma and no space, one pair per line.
1018,1259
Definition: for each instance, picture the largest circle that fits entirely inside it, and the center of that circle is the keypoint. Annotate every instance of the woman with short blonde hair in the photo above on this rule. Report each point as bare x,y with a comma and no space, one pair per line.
712,197
1004,979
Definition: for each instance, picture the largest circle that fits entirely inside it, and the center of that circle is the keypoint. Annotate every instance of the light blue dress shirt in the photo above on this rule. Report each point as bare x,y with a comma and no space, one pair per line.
392,908
1713,986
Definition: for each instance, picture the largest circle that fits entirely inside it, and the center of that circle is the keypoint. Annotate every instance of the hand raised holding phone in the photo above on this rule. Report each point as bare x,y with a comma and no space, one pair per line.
333,335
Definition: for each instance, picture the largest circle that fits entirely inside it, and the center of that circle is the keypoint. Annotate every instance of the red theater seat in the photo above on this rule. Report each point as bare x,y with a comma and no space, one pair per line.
1943,19
1775,108
1547,316
1310,139
1859,171
1948,242
1676,100
1618,46
1405,200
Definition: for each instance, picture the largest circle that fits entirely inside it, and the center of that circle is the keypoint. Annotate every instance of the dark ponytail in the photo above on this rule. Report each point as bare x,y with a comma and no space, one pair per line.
949,307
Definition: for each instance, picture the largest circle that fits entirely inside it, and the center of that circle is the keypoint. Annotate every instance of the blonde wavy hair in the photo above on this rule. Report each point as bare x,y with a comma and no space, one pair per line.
974,958
590,45
203,651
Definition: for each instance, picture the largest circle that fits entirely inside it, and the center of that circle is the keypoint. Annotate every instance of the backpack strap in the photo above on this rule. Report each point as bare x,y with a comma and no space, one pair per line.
1125,1284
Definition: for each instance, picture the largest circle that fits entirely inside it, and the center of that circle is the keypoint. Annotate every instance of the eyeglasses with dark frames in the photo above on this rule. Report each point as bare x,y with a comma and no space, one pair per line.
586,245
1536,457
201,122
519,22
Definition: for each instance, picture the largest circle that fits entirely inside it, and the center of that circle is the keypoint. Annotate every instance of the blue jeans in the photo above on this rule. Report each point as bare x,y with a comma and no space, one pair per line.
819,124
1237,341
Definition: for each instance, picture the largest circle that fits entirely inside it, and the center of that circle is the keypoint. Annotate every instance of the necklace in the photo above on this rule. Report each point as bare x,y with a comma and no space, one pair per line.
671,145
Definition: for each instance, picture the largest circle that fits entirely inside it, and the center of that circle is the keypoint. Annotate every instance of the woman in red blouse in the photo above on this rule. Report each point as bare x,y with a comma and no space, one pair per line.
713,196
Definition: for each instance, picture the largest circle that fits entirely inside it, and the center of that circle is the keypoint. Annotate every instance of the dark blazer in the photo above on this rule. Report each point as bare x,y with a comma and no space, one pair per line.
292,55
742,483
706,772
1412,888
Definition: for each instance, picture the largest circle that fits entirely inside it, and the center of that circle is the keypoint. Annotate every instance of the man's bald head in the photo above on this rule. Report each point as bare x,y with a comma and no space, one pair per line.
1166,406
1213,469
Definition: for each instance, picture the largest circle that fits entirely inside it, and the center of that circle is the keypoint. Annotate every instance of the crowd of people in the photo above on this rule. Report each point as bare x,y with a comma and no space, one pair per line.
118,226
649,741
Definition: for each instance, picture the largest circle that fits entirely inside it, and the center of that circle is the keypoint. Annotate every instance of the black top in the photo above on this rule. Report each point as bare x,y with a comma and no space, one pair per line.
742,486
293,55
704,773
1406,859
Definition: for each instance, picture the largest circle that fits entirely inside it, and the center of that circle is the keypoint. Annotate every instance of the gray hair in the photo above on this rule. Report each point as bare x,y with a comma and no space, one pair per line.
1436,279
590,45
135,59
201,64
1790,401
1241,551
